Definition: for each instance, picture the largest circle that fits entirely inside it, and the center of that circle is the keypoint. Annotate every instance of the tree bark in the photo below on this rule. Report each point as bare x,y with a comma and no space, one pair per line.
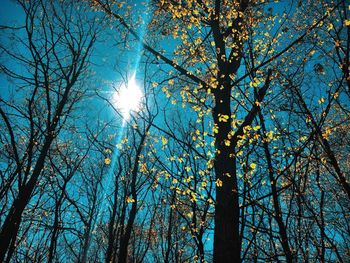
227,244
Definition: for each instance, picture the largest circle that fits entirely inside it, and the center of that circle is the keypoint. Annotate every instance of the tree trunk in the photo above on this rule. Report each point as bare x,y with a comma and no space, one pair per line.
276,204
12,222
227,244
124,241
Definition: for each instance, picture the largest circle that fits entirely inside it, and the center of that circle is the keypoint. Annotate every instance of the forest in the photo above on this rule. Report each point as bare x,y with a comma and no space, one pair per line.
139,131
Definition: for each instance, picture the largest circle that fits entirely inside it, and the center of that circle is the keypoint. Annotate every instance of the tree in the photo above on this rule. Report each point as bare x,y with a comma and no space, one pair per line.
50,82
211,54
219,134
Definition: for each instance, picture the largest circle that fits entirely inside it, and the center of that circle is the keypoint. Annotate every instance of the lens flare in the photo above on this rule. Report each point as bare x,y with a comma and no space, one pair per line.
128,98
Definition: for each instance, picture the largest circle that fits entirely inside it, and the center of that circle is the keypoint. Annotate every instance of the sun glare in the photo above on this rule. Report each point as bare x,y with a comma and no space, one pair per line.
128,98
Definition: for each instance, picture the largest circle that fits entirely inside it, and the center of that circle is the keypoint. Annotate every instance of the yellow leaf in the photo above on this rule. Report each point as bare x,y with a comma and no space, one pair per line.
164,140
330,27
303,138
107,161
321,100
256,128
253,166
347,22
269,135
130,200
215,129
327,132
143,168
223,118
218,183
255,83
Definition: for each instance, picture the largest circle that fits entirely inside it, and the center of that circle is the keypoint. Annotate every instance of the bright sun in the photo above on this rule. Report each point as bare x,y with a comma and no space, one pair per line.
128,98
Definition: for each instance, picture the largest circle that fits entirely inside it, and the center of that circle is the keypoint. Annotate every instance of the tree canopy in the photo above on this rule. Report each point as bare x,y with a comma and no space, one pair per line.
175,131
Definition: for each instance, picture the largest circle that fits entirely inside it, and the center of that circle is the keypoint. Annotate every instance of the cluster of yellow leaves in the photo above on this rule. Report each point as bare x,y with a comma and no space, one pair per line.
269,135
218,183
302,138
250,134
321,100
223,117
189,214
255,82
185,95
124,141
129,199
327,132
193,197
143,168
190,12
210,163
188,179
196,108
166,92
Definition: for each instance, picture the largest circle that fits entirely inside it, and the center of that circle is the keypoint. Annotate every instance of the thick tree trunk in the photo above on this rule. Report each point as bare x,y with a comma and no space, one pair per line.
227,243
227,240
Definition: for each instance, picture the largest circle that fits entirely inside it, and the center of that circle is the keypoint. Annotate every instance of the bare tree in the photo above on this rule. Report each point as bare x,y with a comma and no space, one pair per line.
50,59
